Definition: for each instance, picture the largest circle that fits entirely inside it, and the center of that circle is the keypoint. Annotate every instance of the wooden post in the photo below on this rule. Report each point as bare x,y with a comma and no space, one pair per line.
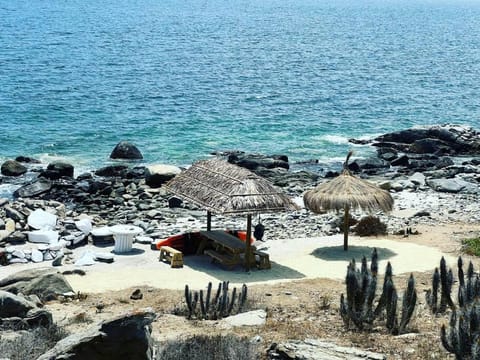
209,221
345,229
247,242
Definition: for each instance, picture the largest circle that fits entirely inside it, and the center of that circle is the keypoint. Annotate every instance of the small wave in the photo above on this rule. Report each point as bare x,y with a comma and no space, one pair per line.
335,139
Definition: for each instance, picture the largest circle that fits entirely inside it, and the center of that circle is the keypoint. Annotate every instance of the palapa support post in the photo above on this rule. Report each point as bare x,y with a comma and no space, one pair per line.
247,242
345,229
209,221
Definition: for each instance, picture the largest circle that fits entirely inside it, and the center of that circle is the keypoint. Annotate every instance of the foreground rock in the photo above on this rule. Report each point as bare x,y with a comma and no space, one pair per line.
123,337
47,283
319,350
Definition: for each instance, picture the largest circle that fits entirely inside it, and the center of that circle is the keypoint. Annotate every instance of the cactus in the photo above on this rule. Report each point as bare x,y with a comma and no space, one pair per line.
432,295
408,304
357,306
446,281
463,336
223,305
243,298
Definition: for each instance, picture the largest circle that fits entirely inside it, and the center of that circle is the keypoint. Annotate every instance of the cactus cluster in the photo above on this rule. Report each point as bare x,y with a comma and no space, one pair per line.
442,280
358,307
201,305
463,335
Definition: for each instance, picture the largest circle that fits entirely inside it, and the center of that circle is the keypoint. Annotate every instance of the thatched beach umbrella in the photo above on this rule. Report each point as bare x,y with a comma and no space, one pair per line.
347,192
223,188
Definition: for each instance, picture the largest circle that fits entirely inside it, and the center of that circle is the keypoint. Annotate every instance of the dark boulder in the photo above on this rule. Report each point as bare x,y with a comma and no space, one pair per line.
255,161
408,136
174,202
33,189
430,146
27,159
126,150
14,305
13,168
57,170
400,161
112,170
123,337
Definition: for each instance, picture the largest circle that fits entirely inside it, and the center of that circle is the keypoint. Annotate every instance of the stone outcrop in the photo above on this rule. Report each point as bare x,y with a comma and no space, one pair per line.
123,337
319,350
126,150
46,283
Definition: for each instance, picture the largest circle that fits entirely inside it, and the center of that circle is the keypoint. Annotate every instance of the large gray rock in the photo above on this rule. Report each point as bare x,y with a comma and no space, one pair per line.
14,305
156,175
35,188
312,349
452,185
13,168
123,337
45,283
126,150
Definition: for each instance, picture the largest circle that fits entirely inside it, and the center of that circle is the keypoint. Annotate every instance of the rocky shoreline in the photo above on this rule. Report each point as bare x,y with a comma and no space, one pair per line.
433,174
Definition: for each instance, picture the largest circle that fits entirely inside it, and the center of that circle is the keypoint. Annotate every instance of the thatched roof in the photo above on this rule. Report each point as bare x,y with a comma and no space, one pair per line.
223,188
347,192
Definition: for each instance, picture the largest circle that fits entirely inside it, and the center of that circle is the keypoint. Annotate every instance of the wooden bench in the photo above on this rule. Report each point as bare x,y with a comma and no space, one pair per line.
263,261
171,255
223,259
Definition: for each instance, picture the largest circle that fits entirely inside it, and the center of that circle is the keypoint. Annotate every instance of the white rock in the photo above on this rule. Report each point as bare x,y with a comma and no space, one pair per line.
47,256
42,247
251,318
42,220
101,231
10,225
15,260
85,225
43,236
18,253
37,256
86,259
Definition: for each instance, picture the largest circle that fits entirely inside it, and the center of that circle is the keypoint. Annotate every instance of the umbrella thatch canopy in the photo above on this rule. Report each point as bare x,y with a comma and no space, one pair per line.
347,192
224,188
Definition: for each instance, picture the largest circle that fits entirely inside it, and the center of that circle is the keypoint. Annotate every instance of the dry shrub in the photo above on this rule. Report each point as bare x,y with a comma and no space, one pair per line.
370,225
31,344
203,347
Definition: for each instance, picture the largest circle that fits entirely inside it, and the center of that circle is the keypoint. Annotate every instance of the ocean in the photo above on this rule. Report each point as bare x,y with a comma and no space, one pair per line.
183,78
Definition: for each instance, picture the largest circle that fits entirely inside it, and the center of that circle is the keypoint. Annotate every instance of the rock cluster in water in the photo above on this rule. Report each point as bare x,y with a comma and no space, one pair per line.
433,179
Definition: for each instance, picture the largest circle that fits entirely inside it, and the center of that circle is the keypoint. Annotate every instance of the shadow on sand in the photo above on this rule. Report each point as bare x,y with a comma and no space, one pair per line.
238,274
336,253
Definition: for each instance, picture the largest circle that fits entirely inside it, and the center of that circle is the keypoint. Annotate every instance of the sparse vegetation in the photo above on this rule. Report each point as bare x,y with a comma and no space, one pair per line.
202,347
31,344
370,225
472,246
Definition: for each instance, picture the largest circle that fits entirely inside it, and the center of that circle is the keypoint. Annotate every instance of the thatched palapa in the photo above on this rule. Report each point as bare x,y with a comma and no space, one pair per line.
225,188
347,192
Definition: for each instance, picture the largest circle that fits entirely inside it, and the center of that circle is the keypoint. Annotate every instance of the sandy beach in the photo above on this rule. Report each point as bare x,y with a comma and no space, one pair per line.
292,259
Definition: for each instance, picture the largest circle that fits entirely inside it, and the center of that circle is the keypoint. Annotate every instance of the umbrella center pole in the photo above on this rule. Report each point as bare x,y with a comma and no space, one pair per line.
345,228
247,242
209,221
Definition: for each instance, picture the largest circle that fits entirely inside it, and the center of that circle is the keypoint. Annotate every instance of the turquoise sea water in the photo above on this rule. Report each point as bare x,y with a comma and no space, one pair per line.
182,78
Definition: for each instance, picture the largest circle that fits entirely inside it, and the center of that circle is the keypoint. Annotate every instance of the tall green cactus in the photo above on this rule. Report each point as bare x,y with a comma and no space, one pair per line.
223,304
357,306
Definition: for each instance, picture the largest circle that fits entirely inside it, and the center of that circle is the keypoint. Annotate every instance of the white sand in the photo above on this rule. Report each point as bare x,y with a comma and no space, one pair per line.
291,259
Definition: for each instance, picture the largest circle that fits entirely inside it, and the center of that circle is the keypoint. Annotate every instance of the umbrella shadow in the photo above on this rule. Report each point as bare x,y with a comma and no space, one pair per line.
238,274
336,253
